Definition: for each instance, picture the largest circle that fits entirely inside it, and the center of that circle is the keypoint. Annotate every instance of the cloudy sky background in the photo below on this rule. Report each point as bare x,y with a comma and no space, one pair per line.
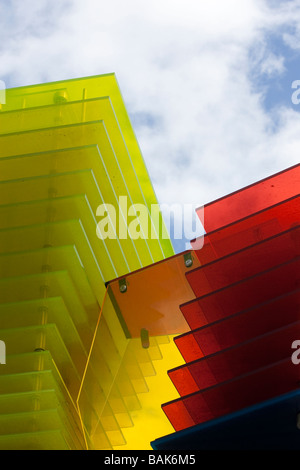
207,83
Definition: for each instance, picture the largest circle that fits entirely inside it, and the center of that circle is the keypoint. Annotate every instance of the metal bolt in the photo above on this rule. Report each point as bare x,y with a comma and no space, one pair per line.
188,260
145,338
122,286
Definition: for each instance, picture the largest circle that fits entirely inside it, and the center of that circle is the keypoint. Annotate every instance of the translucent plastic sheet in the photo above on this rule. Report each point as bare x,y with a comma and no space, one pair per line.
98,87
108,189
251,199
45,337
72,162
248,231
242,295
53,284
34,401
65,150
245,263
56,234
229,363
143,305
120,379
40,440
233,395
115,156
235,329
246,315
38,312
56,210
79,89
102,395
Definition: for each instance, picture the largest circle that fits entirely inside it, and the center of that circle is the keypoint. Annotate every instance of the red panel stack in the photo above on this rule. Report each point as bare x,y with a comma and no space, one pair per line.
247,311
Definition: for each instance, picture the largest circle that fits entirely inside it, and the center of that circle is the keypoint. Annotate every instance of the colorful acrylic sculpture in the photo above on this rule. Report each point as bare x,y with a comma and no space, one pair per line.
96,328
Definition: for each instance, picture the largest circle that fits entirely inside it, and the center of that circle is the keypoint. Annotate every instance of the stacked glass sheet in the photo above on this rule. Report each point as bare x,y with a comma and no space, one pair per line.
67,148
244,321
147,309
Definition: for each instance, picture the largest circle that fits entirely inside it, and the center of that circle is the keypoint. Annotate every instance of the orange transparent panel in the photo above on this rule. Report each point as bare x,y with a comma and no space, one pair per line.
153,295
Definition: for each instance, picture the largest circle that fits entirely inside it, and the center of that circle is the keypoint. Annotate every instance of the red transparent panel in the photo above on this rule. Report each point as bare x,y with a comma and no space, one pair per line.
242,295
179,415
236,329
234,395
248,231
242,359
245,263
251,199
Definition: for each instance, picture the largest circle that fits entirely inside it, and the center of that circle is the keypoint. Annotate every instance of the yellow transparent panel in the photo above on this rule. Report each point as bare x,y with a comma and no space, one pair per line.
55,161
128,392
98,186
73,377
48,260
91,133
30,421
34,399
52,284
37,411
54,210
68,184
55,234
84,111
35,371
28,401
46,440
98,109
46,337
149,420
88,89
41,312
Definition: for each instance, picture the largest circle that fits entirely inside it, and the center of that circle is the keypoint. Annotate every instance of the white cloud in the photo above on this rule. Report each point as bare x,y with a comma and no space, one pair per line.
184,64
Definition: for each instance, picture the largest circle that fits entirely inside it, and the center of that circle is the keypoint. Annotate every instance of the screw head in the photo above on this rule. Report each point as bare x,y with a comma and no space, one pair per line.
123,288
188,262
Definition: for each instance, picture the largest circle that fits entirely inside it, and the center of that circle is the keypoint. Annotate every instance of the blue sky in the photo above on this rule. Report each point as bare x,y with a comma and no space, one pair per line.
207,83
276,87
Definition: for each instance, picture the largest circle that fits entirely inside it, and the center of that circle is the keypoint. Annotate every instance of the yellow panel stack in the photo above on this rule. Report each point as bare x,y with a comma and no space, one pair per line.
65,149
